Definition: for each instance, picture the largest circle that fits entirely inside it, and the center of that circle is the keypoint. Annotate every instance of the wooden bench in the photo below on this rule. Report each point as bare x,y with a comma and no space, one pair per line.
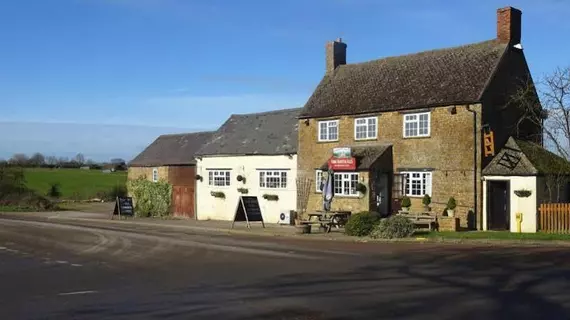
419,219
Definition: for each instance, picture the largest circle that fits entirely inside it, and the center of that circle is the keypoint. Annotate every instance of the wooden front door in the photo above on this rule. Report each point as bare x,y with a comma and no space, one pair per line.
380,196
183,201
498,206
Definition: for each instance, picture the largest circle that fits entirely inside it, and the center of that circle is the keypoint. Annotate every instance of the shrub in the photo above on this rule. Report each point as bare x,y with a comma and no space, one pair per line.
54,190
393,227
406,203
361,224
426,200
151,198
451,203
118,191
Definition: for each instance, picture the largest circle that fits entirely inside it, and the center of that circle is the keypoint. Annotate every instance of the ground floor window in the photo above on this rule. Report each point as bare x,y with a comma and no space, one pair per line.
273,179
219,178
344,183
417,184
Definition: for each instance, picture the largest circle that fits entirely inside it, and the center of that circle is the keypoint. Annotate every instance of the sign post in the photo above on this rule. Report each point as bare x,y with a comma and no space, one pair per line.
248,210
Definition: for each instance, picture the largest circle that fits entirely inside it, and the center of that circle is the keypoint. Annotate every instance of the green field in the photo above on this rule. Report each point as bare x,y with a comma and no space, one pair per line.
75,184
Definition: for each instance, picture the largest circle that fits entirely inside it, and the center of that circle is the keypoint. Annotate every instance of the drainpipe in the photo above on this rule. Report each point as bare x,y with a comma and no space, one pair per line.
474,162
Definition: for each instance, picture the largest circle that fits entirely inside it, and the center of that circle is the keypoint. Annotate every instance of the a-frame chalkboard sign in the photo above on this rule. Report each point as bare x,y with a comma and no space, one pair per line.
248,210
123,207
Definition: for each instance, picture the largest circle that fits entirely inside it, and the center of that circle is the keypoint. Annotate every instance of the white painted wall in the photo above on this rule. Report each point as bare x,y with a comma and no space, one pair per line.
208,207
528,206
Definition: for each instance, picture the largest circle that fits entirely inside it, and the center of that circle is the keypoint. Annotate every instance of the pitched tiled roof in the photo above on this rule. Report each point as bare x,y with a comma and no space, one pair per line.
519,157
365,156
172,149
431,78
266,133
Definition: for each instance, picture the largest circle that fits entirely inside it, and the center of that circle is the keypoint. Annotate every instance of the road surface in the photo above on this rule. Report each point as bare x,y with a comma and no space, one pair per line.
97,270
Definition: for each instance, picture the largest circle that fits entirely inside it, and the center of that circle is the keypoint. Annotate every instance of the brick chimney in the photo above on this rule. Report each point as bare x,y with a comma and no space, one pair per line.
509,25
336,54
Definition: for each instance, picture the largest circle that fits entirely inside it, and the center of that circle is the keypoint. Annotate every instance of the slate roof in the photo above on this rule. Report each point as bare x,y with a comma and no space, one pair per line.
365,156
172,149
432,78
265,133
523,158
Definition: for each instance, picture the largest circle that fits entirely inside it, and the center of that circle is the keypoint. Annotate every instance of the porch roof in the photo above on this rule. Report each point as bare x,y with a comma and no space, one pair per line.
523,158
366,156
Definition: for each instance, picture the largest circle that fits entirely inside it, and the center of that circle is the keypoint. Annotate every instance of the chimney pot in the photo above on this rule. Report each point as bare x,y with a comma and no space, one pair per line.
509,22
335,54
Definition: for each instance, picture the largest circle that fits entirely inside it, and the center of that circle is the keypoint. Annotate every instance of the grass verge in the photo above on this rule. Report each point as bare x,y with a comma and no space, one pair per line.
492,235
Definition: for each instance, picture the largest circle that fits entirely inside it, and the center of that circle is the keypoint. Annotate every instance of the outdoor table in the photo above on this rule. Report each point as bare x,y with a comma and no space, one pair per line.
330,219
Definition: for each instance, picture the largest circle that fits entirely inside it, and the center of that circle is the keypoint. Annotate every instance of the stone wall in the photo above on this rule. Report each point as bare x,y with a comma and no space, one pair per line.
447,153
136,172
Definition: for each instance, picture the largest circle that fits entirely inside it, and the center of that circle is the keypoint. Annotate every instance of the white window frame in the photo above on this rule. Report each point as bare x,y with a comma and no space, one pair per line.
344,179
266,175
328,124
154,174
224,174
367,124
423,178
416,121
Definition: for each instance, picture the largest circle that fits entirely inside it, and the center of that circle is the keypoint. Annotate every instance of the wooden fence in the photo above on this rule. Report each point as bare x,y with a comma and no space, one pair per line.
554,217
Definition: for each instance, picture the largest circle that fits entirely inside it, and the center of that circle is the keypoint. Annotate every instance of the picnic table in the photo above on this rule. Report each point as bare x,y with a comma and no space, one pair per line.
328,219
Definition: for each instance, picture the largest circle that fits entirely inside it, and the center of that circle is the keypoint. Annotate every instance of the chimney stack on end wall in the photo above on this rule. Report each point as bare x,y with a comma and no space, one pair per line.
509,25
335,54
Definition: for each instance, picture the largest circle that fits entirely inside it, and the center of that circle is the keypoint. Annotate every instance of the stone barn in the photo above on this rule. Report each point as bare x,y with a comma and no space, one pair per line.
170,158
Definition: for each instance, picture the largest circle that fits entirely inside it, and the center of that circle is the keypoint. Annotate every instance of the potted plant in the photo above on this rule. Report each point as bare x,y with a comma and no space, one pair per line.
406,204
451,205
302,228
240,178
426,202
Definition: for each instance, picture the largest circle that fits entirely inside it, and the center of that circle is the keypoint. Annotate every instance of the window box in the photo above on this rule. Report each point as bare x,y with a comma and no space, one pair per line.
271,197
218,194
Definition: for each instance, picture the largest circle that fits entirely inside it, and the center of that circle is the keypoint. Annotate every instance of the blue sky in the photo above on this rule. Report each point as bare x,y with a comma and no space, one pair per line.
85,72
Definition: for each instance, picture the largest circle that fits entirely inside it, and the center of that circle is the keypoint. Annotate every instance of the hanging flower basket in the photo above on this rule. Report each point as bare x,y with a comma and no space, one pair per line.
271,197
523,193
361,187
199,177
240,178
218,194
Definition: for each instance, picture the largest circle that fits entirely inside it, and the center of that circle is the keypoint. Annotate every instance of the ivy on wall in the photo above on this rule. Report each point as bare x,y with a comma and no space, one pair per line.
152,199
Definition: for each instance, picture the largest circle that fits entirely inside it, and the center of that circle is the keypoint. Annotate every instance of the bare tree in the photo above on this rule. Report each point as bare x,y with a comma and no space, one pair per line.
51,160
80,158
36,160
551,113
554,116
19,159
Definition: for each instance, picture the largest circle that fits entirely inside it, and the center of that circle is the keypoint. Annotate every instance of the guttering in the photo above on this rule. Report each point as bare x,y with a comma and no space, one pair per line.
474,162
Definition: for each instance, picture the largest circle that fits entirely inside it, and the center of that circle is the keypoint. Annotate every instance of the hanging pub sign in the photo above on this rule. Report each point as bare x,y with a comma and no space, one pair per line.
342,160
343,152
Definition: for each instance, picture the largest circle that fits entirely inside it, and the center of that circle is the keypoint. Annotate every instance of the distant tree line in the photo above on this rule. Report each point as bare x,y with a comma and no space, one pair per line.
38,160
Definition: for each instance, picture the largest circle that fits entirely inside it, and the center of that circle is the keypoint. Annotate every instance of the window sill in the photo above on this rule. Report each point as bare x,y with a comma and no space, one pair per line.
327,141
341,196
366,139
418,137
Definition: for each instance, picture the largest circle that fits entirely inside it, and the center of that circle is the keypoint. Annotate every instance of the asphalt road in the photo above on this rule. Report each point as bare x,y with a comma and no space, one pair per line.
87,270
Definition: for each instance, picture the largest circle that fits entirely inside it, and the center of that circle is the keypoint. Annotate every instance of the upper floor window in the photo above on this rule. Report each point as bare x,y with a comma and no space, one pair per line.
328,130
417,184
273,179
365,128
417,125
154,174
219,178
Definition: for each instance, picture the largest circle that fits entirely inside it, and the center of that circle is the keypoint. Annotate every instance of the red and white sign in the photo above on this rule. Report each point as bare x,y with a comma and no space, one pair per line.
337,164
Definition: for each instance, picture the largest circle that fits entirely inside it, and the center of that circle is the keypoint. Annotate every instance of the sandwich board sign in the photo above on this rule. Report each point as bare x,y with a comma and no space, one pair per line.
248,210
123,207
